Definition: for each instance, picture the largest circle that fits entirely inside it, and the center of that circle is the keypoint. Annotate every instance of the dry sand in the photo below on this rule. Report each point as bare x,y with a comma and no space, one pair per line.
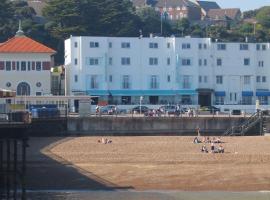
152,163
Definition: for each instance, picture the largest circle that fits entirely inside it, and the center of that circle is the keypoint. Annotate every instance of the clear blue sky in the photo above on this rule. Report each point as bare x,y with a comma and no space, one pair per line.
242,4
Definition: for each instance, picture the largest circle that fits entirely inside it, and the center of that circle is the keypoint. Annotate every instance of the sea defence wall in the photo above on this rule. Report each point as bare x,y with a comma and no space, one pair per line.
151,125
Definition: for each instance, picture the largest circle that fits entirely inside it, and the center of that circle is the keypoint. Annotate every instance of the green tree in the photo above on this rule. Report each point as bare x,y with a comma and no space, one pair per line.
150,19
182,27
6,19
263,16
64,18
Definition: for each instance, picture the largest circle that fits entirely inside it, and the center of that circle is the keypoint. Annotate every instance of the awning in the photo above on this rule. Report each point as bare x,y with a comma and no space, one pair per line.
247,93
126,92
262,93
220,93
97,92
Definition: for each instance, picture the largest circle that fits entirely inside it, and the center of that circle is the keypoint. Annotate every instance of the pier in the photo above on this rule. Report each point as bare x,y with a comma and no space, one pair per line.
13,144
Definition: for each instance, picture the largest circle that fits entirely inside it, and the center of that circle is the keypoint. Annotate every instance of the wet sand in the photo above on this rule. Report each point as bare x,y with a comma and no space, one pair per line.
148,163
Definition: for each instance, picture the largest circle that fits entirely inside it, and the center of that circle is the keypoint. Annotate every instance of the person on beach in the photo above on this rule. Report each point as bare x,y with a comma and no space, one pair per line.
212,147
204,149
220,149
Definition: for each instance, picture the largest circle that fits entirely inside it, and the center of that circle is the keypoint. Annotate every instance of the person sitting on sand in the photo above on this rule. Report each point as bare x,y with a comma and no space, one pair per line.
218,140
196,140
220,149
212,147
204,149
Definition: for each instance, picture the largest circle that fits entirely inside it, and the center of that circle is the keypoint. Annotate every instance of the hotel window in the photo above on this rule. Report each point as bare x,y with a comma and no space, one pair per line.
110,78
219,80
94,44
263,79
126,82
168,61
186,82
263,47
186,46
205,46
246,61
125,61
153,61
153,45
93,61
8,66
29,66
110,44
221,46
110,61
33,66
247,100
261,63
243,46
200,46
18,66
75,78
38,66
14,65
219,62
75,61
168,78
154,82
205,62
125,45
168,45
186,62
219,100
258,47
263,100
94,82
258,79
246,80
205,79
23,66
75,44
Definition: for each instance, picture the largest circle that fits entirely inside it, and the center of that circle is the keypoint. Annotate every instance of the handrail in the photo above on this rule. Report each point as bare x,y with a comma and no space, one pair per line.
241,129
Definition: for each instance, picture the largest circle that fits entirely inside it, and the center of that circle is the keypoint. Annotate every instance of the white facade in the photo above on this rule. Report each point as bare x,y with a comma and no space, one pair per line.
39,81
168,70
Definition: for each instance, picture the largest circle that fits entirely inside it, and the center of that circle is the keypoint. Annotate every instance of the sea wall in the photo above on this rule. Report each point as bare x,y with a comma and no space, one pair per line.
150,125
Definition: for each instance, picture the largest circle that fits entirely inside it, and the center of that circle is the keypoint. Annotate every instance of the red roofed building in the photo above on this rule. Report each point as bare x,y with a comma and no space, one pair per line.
25,65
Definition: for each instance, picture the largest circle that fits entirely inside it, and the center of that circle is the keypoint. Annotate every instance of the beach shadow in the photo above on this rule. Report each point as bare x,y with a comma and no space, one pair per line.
54,173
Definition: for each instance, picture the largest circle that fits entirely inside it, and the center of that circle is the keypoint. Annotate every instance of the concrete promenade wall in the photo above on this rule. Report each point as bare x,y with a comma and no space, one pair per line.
150,125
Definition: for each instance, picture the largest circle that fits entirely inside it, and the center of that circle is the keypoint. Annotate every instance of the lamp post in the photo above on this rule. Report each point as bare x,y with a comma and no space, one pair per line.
141,98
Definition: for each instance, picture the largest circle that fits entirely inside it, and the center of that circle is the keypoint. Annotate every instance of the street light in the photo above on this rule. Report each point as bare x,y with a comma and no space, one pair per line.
141,98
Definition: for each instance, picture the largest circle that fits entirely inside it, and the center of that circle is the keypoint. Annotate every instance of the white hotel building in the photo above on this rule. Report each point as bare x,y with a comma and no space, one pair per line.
189,71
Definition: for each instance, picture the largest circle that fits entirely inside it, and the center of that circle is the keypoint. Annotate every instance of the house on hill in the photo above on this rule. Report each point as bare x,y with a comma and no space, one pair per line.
174,9
224,16
206,6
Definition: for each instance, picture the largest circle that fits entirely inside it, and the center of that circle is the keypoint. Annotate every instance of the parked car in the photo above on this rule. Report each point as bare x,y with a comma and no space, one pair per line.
212,109
171,110
138,109
236,112
111,110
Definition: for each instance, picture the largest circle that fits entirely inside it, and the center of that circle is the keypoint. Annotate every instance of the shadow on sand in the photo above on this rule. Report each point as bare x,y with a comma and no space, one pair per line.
54,173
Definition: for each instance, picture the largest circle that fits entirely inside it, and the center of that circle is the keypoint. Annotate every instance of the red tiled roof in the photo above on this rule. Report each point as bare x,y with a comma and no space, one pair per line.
232,13
23,44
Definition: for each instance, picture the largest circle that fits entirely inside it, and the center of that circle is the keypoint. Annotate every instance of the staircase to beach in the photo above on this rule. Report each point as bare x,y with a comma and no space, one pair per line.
248,124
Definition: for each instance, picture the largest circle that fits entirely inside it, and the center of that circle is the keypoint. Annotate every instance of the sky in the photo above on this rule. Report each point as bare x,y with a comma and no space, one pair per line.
242,4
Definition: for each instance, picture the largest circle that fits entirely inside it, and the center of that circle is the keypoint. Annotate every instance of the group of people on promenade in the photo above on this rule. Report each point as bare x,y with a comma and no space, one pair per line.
215,144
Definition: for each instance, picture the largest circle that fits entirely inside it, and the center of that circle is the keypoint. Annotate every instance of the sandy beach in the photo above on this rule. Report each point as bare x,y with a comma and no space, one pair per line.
148,163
